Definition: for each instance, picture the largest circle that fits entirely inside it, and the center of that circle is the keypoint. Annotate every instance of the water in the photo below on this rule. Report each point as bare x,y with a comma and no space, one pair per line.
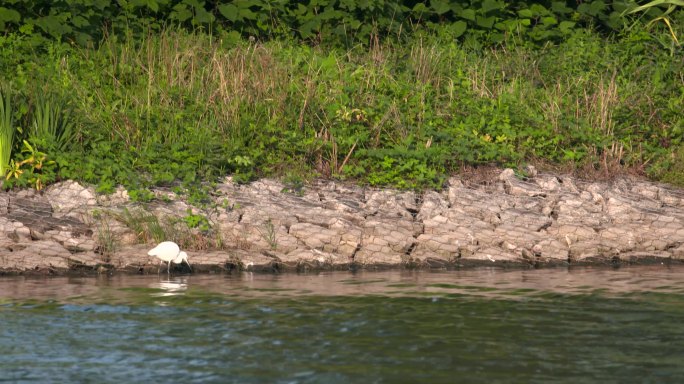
478,326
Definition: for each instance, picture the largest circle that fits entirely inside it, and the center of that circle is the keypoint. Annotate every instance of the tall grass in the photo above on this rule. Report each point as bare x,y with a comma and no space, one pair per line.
6,131
180,103
52,122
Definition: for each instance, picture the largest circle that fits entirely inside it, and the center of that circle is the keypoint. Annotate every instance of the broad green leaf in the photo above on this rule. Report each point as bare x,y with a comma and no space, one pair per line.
247,14
9,15
202,16
486,22
80,21
440,6
54,25
538,10
194,3
491,5
419,8
560,7
468,14
566,26
598,6
459,28
152,4
180,13
549,20
229,11
525,13
592,9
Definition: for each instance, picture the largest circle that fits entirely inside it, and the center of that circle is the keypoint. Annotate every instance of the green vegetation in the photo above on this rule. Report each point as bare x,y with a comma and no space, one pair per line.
384,93
6,132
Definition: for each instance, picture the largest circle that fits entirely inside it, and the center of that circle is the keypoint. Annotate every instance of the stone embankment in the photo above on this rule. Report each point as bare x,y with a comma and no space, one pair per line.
543,220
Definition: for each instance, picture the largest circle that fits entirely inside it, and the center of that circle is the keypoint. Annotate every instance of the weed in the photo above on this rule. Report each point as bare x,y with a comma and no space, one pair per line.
196,221
269,234
106,243
145,225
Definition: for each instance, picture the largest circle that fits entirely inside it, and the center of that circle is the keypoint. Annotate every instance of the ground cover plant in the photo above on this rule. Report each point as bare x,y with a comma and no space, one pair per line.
146,93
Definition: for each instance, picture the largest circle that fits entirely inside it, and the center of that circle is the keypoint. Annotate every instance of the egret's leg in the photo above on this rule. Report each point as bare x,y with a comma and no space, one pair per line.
159,269
168,268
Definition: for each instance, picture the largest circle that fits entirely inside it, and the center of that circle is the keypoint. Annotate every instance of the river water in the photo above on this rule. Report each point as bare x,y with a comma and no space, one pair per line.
479,326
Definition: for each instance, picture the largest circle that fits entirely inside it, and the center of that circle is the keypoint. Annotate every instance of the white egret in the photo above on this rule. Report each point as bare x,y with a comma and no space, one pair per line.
182,256
168,251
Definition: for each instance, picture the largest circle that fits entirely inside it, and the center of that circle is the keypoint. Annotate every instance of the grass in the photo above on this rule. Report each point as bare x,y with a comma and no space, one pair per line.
191,107
6,131
145,225
106,242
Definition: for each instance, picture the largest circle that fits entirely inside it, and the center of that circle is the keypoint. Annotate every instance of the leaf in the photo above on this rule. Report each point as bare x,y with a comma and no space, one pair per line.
566,26
538,10
243,4
440,6
180,13
419,8
525,13
80,21
54,25
152,5
560,7
656,3
9,15
549,20
202,16
592,9
229,11
486,22
458,28
598,6
491,5
468,14
247,14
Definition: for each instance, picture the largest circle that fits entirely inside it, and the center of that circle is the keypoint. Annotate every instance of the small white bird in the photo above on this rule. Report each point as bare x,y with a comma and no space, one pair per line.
168,251
182,256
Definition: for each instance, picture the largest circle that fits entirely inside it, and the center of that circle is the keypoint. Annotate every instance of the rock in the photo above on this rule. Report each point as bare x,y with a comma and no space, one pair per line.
391,204
343,241
492,255
69,195
678,252
433,204
551,250
271,226
516,187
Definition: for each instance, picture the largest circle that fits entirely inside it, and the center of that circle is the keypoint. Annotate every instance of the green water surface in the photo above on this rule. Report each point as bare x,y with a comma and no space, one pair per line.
482,326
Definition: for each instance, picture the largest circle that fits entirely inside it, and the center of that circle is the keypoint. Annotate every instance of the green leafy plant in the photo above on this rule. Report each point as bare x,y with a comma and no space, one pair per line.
468,83
193,220
35,169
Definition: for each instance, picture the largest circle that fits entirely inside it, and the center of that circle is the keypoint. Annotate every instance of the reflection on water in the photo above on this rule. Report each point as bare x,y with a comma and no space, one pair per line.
170,287
484,326
485,282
